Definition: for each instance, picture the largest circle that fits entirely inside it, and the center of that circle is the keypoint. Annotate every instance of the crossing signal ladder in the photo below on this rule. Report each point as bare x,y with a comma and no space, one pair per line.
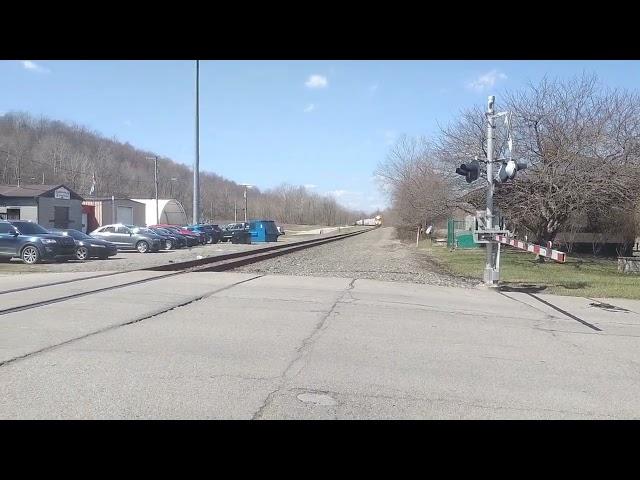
556,255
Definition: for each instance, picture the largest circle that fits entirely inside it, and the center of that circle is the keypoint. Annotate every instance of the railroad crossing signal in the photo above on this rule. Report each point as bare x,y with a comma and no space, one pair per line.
509,169
470,170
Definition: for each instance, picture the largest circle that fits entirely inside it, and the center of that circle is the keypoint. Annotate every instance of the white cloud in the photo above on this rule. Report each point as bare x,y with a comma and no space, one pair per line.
309,108
309,186
317,81
33,66
486,80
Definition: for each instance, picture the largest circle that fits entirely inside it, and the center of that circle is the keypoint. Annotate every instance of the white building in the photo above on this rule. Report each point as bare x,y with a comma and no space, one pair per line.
171,211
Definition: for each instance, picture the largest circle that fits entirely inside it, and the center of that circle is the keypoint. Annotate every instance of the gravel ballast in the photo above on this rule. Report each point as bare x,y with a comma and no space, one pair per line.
376,255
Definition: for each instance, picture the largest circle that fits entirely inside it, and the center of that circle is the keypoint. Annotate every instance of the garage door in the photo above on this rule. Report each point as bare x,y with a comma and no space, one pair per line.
125,215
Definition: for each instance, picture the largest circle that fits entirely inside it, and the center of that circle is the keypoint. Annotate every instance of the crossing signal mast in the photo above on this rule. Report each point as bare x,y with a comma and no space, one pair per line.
486,233
489,227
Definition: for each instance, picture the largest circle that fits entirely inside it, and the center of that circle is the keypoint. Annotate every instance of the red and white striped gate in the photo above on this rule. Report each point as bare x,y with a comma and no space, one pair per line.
556,255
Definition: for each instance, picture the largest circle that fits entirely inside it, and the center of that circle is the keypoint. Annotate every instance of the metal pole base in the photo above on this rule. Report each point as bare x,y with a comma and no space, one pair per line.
491,277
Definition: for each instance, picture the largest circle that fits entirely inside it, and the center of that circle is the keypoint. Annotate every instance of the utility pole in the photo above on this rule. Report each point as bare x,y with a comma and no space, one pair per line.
235,210
196,166
155,174
491,274
245,185
211,211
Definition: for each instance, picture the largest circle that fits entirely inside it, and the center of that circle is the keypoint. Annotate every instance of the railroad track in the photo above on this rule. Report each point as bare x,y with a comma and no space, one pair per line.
210,264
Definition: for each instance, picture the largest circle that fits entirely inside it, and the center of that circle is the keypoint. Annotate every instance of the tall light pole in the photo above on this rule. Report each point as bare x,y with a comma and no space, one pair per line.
155,170
246,186
196,166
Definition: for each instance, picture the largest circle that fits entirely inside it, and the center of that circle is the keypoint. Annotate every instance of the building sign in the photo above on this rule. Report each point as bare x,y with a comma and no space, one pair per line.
62,193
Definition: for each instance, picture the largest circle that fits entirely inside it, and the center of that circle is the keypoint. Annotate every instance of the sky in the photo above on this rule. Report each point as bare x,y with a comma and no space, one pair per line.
322,124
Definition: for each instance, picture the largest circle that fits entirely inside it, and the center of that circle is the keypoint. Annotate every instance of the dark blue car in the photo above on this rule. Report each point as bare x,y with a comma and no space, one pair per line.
32,243
212,232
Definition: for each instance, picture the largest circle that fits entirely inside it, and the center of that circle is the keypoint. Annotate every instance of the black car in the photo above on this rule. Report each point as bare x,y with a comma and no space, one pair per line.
87,246
33,243
172,239
234,231
191,239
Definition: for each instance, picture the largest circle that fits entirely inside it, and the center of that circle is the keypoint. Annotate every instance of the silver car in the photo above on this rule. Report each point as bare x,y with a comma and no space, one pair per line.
128,237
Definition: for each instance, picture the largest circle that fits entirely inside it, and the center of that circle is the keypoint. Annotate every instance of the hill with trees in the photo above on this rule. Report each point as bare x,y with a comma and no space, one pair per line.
40,150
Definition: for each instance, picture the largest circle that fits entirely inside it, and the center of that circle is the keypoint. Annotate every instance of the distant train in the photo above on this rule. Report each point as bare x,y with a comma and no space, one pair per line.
371,222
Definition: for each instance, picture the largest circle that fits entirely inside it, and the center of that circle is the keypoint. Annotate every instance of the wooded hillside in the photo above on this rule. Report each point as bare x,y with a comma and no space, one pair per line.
43,150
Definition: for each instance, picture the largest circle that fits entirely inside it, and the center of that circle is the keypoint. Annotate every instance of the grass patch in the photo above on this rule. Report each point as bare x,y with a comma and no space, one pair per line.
581,275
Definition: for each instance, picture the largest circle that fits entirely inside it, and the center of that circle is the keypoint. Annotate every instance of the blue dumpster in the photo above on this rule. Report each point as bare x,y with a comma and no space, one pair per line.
263,231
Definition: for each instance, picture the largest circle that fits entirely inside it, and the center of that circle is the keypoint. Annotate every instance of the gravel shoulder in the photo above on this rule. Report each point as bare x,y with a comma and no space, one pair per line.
376,255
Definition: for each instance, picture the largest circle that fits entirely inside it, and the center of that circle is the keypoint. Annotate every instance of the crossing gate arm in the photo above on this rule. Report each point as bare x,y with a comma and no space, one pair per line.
556,255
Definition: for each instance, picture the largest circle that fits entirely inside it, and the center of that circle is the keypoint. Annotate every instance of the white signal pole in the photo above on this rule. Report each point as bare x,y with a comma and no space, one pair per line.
491,273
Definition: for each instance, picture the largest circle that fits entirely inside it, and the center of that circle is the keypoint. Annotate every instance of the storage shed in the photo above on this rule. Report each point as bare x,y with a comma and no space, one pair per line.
52,206
114,210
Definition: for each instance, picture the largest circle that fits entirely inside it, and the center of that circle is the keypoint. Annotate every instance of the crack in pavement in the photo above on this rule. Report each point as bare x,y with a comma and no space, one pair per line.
124,324
297,363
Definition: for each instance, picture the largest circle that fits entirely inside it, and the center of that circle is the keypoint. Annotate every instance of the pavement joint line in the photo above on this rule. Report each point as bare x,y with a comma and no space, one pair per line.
429,308
62,282
83,294
302,351
130,322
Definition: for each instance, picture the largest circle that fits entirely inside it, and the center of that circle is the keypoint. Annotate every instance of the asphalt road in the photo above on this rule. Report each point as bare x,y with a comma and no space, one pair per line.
245,346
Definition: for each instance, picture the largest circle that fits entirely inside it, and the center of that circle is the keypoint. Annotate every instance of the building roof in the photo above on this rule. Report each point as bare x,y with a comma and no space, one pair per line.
108,199
32,191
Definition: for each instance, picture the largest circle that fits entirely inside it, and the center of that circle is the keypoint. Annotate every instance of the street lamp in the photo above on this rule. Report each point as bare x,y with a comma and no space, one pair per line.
246,186
155,168
196,166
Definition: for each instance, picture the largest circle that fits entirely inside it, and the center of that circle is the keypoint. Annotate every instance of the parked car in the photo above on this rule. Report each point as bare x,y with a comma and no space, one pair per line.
88,247
213,232
192,238
33,243
125,238
234,230
178,241
168,241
